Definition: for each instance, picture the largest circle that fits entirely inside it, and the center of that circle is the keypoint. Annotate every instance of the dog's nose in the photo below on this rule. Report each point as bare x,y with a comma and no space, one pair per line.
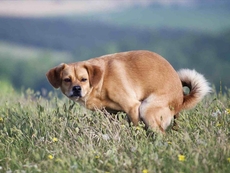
77,88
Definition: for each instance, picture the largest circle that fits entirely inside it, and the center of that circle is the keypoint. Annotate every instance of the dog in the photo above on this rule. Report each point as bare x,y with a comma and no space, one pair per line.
141,83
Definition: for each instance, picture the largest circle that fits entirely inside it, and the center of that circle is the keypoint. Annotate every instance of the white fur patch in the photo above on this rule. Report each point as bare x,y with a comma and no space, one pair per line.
151,101
145,104
162,113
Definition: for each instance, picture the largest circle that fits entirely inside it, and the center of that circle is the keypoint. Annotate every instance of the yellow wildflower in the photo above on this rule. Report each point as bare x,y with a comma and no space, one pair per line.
55,139
218,125
1,119
169,142
50,157
228,111
96,157
145,171
228,159
138,128
181,157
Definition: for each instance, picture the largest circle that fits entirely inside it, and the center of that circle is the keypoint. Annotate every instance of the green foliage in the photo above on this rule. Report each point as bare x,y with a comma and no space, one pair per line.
57,135
5,87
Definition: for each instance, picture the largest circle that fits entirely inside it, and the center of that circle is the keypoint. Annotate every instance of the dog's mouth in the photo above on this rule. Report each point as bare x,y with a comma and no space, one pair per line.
75,96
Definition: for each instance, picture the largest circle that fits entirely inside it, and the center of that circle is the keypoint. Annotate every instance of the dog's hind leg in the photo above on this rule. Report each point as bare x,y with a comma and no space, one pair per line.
155,113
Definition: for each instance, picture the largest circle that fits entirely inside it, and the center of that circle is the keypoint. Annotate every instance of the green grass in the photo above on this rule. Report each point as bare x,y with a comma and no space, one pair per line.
99,142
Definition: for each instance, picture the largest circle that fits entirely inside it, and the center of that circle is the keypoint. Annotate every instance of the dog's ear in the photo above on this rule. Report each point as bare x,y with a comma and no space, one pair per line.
54,75
95,73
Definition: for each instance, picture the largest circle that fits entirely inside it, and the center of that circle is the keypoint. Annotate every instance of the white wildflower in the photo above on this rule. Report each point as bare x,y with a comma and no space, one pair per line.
216,114
105,137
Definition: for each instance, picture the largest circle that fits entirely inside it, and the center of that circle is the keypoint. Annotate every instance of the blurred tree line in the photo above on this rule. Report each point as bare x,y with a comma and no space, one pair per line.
208,53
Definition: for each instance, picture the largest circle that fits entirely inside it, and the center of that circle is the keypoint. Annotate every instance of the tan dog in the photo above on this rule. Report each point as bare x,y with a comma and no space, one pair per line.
141,83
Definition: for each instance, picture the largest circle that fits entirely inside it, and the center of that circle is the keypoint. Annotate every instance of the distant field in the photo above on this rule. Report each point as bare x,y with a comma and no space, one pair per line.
18,51
56,135
199,16
36,8
206,19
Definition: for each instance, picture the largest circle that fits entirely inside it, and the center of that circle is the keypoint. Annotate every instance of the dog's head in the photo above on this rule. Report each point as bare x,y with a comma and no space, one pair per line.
75,80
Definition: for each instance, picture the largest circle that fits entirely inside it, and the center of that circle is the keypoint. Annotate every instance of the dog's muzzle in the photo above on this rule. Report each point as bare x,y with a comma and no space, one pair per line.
76,91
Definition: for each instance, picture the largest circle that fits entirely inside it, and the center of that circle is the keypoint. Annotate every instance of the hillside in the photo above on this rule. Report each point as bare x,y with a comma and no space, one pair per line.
189,36
60,34
206,17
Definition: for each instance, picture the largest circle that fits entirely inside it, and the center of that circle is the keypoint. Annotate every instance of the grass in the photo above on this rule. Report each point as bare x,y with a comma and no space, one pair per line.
57,135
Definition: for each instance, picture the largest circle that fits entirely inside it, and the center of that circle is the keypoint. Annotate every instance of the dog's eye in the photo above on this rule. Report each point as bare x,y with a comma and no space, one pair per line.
83,79
67,80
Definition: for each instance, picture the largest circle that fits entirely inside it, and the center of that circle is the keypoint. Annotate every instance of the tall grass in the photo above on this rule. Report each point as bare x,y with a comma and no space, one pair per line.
57,135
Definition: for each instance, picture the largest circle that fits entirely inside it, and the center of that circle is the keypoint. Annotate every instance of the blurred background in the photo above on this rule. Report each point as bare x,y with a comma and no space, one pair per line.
36,35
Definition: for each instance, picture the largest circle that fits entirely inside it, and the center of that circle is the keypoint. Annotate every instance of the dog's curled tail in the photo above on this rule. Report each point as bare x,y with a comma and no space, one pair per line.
197,84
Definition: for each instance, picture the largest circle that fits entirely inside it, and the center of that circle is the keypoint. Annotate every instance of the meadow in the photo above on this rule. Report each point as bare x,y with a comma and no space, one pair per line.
51,134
